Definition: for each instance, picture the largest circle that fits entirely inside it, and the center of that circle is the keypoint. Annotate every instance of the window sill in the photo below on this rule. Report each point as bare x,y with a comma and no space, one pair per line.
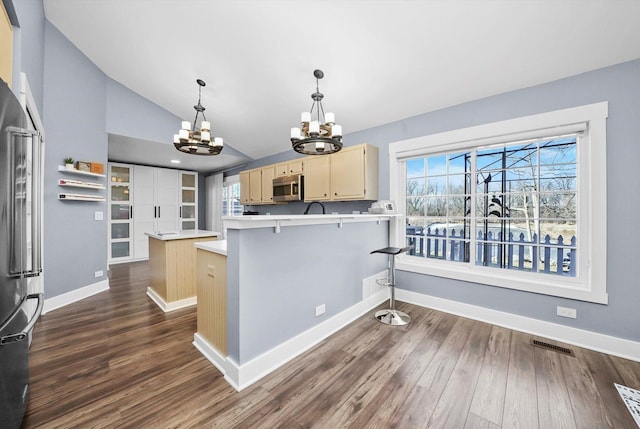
563,287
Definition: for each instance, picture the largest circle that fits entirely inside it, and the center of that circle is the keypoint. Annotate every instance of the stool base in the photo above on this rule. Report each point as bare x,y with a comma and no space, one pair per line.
392,317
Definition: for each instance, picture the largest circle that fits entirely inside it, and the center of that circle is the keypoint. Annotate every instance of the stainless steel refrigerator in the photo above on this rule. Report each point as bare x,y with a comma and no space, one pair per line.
20,252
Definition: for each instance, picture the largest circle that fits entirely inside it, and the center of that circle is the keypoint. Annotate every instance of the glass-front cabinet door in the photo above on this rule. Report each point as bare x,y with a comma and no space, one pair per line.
120,212
188,200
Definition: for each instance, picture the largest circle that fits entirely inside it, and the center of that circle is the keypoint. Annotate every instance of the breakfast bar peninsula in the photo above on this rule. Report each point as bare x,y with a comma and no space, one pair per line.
288,282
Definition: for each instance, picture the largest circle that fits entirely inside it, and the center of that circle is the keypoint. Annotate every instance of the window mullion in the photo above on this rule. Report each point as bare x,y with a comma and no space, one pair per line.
472,215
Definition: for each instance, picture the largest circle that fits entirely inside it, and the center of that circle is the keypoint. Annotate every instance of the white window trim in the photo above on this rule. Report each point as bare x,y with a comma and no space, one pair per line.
590,282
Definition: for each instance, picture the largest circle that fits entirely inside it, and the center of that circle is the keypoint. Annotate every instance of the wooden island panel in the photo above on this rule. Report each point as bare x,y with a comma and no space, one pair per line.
172,276
212,298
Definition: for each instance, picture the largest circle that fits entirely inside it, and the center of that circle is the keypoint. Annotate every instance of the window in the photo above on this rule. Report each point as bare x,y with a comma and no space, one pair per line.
517,204
231,199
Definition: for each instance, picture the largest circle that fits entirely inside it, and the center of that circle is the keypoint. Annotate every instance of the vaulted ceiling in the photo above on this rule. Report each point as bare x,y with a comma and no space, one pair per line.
383,60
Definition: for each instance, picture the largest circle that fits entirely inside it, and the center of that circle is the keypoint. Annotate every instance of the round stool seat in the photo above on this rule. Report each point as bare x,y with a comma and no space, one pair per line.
391,250
391,316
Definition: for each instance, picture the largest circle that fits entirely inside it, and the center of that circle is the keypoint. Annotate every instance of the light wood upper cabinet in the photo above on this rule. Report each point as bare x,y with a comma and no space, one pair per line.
6,47
348,175
255,186
354,173
351,174
288,168
245,183
268,173
317,179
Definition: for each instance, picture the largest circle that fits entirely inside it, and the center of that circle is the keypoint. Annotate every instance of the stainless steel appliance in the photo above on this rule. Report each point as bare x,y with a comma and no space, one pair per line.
288,188
20,255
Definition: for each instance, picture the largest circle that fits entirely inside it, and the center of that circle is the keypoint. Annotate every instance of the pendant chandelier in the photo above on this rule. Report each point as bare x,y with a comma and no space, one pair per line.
320,136
197,142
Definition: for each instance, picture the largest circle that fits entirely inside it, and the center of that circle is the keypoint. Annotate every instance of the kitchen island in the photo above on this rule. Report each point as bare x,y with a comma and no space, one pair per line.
291,281
172,266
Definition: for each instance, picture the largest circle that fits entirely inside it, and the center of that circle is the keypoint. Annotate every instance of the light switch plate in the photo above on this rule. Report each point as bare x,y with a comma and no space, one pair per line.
98,215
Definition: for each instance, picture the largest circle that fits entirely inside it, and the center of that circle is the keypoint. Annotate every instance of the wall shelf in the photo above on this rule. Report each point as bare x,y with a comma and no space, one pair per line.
80,197
64,169
79,184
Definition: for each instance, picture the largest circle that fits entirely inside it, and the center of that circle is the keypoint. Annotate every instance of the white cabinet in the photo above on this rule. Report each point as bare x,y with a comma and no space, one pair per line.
119,213
147,199
155,205
188,200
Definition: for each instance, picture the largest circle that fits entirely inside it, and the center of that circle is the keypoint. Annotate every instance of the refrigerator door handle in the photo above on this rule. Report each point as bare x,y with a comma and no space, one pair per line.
12,338
36,205
18,173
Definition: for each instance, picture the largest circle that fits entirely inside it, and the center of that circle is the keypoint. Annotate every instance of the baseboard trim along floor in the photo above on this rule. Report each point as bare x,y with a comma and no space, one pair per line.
615,346
59,301
243,376
170,306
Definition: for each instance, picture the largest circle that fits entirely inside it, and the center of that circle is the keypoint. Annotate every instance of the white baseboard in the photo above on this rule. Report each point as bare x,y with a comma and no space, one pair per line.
59,301
170,306
242,376
615,346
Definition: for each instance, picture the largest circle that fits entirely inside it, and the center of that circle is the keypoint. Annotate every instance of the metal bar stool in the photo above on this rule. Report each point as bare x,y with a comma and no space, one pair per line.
391,316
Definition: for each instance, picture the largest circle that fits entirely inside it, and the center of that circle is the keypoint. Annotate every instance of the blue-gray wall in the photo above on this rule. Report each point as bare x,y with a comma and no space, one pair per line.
75,245
281,278
79,106
620,86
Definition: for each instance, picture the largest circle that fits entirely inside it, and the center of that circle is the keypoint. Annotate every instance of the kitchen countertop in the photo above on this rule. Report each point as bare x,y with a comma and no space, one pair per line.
181,235
277,221
216,246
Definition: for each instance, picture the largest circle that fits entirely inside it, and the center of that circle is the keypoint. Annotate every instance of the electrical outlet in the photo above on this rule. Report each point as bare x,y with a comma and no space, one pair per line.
211,271
566,312
98,274
320,310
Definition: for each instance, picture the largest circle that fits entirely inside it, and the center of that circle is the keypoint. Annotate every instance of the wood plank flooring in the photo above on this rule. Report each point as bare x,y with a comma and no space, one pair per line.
115,360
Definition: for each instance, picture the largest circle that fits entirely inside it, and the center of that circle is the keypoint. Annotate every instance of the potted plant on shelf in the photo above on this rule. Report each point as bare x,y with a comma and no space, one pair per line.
68,162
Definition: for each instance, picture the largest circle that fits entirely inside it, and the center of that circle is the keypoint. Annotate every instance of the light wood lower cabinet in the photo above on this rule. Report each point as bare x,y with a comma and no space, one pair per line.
172,269
212,298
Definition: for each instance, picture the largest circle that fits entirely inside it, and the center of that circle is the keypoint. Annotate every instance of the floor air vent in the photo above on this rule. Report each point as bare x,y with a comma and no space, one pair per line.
552,347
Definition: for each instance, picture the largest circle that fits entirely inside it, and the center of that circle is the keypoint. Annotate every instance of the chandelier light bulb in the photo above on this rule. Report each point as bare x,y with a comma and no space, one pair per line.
329,118
336,130
205,126
305,117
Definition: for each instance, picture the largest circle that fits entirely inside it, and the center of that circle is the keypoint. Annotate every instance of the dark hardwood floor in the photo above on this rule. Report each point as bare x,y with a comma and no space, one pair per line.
115,360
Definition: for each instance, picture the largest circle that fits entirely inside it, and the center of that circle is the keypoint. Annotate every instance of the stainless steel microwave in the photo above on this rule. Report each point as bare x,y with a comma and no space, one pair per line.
288,188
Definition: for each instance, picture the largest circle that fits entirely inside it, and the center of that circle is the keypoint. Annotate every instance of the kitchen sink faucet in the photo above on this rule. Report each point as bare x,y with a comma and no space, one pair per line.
312,203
